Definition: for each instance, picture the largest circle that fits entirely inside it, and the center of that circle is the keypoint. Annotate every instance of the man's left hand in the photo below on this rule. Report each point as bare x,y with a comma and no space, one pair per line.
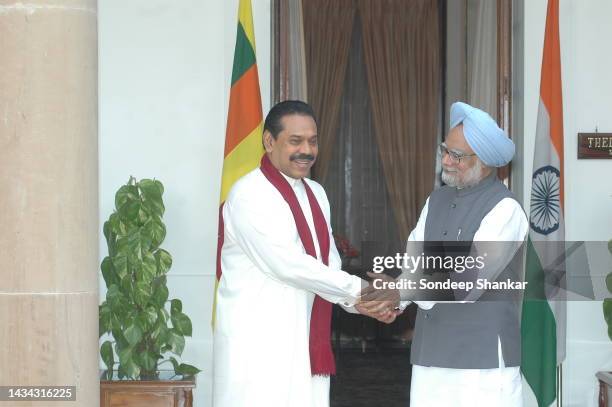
383,301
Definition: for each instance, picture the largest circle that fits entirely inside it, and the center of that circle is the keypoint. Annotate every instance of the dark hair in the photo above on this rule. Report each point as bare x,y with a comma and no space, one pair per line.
285,108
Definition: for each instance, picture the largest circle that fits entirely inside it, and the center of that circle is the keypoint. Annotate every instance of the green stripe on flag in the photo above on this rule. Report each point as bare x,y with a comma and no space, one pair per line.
538,333
244,56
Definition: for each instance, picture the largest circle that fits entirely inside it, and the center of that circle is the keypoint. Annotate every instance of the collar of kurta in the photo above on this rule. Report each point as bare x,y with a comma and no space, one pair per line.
321,355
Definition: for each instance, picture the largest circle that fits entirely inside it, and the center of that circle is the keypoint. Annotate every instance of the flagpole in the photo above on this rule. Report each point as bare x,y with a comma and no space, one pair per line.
560,385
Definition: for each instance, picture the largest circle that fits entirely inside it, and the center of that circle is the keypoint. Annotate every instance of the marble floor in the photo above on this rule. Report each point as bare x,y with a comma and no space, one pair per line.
372,379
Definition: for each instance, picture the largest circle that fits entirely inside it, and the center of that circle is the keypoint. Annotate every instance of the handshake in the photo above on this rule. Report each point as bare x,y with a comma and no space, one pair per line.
379,303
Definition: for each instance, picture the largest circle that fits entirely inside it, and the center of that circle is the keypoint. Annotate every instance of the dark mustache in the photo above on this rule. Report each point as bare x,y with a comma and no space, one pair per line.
308,157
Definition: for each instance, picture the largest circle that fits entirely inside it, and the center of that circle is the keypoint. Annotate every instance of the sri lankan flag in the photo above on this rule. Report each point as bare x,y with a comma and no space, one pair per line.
243,148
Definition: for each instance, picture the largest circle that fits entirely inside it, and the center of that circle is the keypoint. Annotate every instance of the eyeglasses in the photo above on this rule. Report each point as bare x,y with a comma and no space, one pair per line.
454,156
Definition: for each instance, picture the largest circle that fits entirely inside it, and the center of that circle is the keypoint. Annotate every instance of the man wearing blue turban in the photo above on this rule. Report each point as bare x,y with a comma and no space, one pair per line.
477,358
468,353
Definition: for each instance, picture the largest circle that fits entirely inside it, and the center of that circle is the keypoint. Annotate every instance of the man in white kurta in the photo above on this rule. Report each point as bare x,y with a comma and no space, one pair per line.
434,386
266,292
473,148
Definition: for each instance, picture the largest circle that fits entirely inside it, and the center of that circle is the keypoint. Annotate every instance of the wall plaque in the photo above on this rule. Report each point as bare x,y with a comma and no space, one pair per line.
594,145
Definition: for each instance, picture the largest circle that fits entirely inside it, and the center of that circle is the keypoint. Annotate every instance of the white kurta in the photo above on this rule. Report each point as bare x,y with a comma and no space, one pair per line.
265,298
500,387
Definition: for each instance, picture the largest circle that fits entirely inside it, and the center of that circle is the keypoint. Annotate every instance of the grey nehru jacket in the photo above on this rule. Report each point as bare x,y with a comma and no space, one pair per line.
465,336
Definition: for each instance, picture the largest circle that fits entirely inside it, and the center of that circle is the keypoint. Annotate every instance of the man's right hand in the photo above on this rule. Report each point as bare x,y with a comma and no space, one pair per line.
386,316
379,303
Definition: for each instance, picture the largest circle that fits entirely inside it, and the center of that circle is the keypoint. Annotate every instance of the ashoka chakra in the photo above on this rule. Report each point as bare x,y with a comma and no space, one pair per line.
545,200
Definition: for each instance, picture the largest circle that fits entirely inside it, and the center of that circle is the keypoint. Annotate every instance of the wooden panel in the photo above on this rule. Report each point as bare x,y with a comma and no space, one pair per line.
605,386
142,399
595,145
147,393
504,77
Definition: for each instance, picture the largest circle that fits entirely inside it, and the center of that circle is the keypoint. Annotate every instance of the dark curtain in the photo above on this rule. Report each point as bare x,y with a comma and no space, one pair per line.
355,183
402,58
327,36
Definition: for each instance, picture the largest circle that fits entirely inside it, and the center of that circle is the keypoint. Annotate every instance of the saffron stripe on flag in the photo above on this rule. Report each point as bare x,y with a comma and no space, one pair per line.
244,109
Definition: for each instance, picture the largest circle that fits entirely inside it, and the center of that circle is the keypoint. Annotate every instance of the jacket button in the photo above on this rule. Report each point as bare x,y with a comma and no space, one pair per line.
453,205
445,232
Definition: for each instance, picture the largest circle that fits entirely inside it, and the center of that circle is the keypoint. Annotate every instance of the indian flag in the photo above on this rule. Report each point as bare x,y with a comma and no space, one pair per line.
243,148
543,318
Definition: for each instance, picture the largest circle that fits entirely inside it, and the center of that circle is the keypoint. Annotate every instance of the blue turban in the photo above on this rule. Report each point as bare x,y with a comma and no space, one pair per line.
489,142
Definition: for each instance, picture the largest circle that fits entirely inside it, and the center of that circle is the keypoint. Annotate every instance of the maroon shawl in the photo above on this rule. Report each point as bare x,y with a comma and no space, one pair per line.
321,355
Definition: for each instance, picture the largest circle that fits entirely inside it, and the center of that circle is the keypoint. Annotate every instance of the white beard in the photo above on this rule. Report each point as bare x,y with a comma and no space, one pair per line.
471,177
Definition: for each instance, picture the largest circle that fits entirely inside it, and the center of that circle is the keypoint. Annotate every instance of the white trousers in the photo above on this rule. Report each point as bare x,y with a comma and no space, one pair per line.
320,391
441,387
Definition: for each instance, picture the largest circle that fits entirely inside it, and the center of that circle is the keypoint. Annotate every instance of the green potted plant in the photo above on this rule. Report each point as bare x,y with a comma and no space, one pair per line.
144,324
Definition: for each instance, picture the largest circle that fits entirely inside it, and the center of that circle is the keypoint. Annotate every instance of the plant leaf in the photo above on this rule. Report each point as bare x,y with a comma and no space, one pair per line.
175,364
132,369
159,335
113,296
133,334
120,264
121,372
104,319
187,370
160,296
151,314
176,306
107,271
607,310
609,282
143,215
182,323
149,268
106,352
152,196
107,229
142,293
176,341
164,261
127,202
159,186
127,286
124,354
148,361
135,244
155,231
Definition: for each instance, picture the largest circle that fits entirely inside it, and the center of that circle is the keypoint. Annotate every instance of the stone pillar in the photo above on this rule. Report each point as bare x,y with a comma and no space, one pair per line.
49,197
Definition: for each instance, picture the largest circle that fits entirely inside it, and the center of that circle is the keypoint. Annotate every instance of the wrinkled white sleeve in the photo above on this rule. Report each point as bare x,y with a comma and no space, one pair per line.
418,233
259,235
335,263
505,222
